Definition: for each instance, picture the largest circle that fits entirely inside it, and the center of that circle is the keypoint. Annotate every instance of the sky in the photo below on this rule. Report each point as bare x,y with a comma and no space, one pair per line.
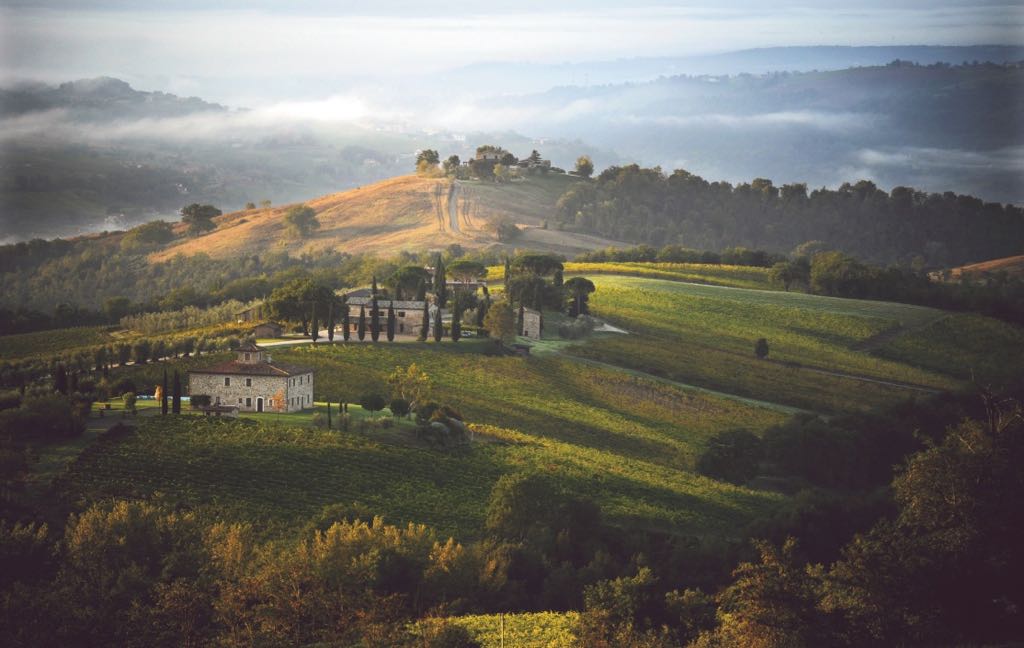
258,53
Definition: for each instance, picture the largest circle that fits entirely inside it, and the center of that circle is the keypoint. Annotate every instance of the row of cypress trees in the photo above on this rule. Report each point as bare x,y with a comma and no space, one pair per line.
175,395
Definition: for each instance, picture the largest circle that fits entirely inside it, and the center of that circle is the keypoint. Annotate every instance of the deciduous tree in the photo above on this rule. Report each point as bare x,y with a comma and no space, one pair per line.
199,218
301,221
584,167
500,322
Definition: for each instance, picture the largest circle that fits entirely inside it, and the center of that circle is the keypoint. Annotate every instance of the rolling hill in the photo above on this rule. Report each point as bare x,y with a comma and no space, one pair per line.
1013,266
403,213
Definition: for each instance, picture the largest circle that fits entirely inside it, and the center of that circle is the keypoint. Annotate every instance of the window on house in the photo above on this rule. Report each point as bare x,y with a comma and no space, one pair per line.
227,382
248,402
401,313
248,382
246,357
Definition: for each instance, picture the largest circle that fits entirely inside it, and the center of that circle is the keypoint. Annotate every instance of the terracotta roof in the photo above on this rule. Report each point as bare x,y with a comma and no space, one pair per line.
249,346
234,367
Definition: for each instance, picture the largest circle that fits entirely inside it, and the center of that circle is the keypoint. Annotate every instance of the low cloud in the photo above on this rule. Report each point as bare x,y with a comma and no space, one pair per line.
1009,159
340,111
811,119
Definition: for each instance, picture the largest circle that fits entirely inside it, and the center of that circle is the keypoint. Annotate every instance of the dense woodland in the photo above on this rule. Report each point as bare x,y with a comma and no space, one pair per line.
904,226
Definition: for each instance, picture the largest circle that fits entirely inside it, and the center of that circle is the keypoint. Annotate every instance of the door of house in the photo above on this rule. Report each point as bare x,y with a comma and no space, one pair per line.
259,404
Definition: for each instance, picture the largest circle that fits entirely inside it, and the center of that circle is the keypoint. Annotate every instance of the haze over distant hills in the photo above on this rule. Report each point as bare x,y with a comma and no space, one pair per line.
526,77
98,154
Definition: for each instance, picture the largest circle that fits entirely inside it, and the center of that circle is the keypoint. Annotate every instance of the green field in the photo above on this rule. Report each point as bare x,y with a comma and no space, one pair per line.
626,435
629,443
963,345
705,335
717,275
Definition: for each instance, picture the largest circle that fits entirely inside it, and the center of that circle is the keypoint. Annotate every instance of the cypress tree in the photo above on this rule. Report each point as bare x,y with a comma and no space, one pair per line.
481,309
72,382
330,320
163,395
456,323
374,320
361,327
345,323
438,326
314,332
425,326
60,379
391,322
421,290
557,280
440,283
176,399
373,289
519,320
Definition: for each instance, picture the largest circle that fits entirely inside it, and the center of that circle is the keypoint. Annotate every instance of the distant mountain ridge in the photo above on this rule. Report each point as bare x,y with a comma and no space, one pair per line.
100,98
534,77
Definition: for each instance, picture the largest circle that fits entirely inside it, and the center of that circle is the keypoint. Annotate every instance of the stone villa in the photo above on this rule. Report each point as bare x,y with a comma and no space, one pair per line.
408,314
253,383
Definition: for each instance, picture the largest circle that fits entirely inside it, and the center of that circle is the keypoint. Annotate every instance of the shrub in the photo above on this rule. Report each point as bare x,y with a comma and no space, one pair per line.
577,328
732,456
372,402
761,348
129,399
399,407
200,400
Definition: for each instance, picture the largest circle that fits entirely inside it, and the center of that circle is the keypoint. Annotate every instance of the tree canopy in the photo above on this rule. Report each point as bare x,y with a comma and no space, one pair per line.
301,221
631,203
199,218
467,271
584,167
541,265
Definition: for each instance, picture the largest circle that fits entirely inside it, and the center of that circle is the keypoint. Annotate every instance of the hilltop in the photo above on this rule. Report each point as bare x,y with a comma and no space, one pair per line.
403,213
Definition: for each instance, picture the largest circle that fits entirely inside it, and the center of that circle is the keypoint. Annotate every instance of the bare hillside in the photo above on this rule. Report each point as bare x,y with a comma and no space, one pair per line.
403,213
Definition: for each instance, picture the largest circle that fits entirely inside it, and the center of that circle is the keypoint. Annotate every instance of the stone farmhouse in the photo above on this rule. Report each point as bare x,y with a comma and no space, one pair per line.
408,314
253,383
